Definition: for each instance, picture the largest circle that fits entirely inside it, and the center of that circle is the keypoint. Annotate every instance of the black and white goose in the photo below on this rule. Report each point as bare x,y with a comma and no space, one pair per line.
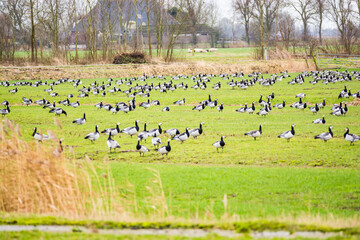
80,121
166,109
251,109
221,107
74,104
65,102
13,91
326,136
94,135
172,132
199,107
280,105
58,111
264,111
183,136
255,133
111,143
165,149
41,102
322,104
144,134
300,95
131,130
5,102
180,102
27,102
213,103
114,131
302,106
99,105
156,141
156,131
314,109
197,131
5,111
320,120
145,105
288,134
242,109
219,144
39,136
350,137
141,148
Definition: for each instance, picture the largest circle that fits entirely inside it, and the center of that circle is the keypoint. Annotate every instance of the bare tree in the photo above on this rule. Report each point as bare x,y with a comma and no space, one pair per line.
306,10
258,14
320,10
286,28
244,7
341,14
271,8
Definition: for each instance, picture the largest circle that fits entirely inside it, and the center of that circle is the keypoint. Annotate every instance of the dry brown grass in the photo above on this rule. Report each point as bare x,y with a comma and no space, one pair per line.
39,179
106,71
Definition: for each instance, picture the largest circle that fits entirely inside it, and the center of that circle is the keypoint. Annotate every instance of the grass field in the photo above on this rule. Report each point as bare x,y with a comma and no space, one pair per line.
266,178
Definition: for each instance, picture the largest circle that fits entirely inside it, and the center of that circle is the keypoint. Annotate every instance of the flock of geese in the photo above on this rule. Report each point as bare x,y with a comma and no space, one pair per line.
135,88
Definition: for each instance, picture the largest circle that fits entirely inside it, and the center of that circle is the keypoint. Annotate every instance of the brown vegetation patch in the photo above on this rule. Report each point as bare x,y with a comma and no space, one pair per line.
133,57
355,102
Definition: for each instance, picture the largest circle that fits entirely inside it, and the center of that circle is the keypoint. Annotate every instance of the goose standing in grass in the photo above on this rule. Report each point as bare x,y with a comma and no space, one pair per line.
41,102
322,104
145,105
288,134
180,102
302,106
38,136
13,91
264,111
156,142
112,144
221,107
325,136
5,103
80,121
99,105
156,131
350,137
94,135
166,109
155,103
131,130
74,104
5,111
213,103
320,120
172,132
114,131
242,109
338,112
251,109
141,148
199,107
197,131
58,111
26,101
255,133
300,95
280,105
183,136
65,102
314,109
165,149
220,144
144,134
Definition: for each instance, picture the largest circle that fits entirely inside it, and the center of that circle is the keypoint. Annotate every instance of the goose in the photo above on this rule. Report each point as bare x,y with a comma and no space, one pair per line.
338,112
75,104
271,96
221,107
166,109
325,136
80,121
144,134
302,106
183,136
99,105
251,109
219,144
54,94
49,89
199,107
115,109
320,120
261,101
112,144
242,109
114,131
26,101
280,105
5,111
107,106
155,103
41,102
65,102
263,112
156,142
58,111
172,132
156,131
300,95
38,136
322,104
196,131
145,105
94,135
131,130
13,91
314,109
213,103
127,109
288,134
165,149
255,133
141,148
6,102
180,102
350,137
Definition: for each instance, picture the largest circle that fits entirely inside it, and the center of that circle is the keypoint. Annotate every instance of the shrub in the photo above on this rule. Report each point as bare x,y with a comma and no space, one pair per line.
126,58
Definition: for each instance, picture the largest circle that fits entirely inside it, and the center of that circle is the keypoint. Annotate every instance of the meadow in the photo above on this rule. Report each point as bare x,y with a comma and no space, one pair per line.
268,178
